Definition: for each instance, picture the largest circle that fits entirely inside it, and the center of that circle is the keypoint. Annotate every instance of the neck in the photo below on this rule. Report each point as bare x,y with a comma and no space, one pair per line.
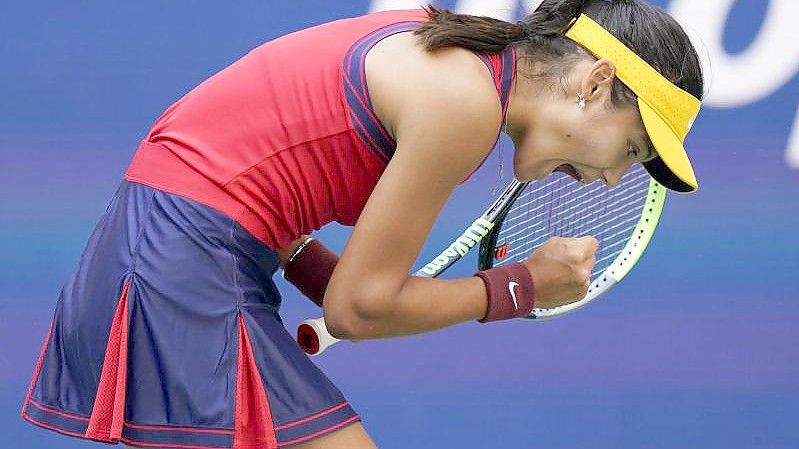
525,99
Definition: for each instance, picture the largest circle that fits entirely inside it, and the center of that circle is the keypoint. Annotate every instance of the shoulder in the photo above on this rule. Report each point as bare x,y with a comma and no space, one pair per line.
447,87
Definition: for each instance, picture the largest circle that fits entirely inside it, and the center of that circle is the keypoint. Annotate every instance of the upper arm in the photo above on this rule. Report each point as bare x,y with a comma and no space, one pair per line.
444,127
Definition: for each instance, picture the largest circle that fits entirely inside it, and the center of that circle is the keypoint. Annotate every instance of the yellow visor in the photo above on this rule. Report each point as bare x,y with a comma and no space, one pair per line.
667,111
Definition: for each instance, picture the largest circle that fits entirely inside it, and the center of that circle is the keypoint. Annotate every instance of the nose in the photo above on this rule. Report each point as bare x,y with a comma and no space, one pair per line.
613,176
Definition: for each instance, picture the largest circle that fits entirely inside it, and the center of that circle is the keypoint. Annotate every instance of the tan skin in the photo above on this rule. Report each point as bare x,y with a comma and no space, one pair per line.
444,112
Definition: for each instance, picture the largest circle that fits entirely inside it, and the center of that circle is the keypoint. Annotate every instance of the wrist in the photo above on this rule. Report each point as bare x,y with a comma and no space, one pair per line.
298,249
510,292
291,250
309,268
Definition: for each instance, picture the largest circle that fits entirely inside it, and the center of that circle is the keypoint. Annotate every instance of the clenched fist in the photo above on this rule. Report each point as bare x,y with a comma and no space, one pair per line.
561,269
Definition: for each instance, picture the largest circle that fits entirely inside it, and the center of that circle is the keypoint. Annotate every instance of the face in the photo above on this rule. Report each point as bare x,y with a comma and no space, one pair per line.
597,142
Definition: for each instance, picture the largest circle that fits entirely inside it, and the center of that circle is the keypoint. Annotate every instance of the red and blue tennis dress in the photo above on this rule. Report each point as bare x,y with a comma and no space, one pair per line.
168,333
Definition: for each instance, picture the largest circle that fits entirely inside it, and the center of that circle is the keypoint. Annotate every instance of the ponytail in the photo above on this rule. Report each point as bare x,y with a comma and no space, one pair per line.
476,33
488,35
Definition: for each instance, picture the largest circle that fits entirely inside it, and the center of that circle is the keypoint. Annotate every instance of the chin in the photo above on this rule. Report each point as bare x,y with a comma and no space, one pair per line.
526,178
526,174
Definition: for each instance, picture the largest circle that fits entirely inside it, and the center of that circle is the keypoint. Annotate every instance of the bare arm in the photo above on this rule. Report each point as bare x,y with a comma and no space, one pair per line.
444,127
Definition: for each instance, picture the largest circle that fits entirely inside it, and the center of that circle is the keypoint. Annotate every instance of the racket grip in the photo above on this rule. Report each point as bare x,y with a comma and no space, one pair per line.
313,337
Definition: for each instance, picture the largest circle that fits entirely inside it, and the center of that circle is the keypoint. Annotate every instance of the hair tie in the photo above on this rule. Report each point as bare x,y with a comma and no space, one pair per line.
526,30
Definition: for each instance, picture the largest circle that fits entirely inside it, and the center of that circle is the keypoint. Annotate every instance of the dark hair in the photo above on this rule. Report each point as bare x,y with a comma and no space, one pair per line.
648,30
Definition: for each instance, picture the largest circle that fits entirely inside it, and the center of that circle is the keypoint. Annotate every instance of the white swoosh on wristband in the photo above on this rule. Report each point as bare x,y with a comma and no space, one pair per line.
513,294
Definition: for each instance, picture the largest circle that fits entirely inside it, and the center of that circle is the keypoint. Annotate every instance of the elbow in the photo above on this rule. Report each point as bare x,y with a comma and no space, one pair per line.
355,319
342,326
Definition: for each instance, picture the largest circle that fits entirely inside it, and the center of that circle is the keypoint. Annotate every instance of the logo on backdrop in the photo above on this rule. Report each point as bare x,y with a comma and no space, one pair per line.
770,61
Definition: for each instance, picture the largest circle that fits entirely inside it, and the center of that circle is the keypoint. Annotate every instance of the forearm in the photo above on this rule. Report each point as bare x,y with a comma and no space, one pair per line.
421,305
366,309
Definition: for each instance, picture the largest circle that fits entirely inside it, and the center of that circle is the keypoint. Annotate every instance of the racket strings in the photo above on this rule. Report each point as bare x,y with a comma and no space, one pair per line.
595,214
541,209
611,241
559,207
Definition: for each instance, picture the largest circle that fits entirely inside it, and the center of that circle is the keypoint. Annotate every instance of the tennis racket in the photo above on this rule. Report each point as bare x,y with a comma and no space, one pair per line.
525,215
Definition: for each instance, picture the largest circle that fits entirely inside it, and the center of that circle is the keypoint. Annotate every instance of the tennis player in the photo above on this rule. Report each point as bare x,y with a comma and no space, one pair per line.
168,333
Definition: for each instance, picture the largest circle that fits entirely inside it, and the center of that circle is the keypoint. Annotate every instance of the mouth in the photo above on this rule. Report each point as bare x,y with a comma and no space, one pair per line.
569,170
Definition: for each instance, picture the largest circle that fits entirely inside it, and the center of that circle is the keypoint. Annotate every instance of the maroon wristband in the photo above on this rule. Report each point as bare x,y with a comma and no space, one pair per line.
310,270
510,292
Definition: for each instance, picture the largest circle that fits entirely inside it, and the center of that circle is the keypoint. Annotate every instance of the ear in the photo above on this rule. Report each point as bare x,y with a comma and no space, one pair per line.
597,84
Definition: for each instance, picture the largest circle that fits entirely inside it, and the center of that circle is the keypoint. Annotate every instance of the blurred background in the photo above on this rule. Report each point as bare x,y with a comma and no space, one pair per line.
697,348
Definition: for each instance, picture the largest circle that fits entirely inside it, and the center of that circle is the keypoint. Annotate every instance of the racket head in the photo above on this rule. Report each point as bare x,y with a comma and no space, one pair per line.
622,218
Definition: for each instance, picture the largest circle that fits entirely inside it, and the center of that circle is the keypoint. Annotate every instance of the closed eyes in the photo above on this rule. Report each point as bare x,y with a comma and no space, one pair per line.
635,153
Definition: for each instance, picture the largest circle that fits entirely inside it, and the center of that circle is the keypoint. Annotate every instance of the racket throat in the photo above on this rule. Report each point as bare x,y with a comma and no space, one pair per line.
459,248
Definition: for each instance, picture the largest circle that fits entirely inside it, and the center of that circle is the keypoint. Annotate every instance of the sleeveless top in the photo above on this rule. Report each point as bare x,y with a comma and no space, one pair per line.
285,140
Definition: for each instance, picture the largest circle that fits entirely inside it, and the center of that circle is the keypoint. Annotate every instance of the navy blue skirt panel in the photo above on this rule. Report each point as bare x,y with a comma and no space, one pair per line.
168,334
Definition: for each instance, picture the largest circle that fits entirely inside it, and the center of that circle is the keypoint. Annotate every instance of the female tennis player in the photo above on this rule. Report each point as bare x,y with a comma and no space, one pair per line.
168,333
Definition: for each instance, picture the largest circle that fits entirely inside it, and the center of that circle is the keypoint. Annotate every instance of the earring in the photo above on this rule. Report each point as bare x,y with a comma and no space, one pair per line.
580,101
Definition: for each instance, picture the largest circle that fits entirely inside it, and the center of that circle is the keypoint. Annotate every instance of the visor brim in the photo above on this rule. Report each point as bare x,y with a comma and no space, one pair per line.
672,168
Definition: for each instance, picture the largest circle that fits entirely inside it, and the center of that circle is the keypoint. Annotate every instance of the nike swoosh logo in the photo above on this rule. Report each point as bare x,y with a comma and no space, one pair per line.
511,286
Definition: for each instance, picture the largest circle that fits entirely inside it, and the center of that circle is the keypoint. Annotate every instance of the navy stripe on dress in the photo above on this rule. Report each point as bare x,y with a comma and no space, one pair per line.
364,120
507,71
507,61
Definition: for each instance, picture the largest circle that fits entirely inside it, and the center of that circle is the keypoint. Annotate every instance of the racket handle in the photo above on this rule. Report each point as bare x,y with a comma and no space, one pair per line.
313,337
